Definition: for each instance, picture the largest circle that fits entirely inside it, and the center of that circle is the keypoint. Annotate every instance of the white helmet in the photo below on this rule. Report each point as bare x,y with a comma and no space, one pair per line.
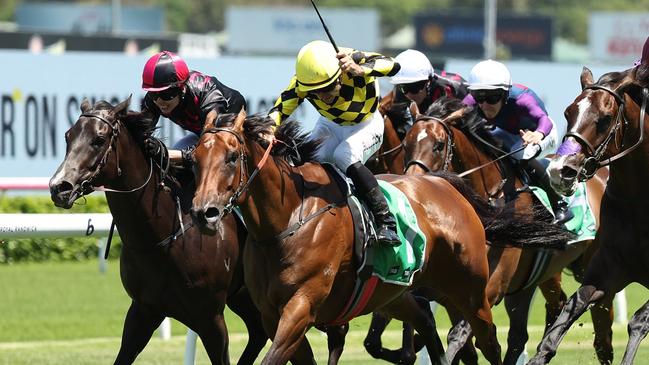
490,75
415,66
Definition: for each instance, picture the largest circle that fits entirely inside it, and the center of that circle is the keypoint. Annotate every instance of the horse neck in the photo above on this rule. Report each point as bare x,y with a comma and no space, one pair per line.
271,197
629,175
145,214
468,155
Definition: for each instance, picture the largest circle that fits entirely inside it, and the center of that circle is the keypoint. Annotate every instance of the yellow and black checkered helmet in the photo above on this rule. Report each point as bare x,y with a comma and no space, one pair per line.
316,66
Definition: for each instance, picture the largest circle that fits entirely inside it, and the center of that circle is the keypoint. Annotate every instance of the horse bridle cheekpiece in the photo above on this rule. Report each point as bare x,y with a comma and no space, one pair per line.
593,162
243,186
86,185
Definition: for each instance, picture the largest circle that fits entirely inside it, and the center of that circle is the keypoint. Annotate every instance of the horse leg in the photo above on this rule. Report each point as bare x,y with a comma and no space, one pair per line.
288,333
407,309
372,342
458,339
139,324
241,304
518,310
555,298
214,335
638,329
481,322
603,279
602,315
336,342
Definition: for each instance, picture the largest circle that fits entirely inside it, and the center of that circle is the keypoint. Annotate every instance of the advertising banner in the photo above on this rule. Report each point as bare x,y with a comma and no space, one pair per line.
462,35
40,97
616,36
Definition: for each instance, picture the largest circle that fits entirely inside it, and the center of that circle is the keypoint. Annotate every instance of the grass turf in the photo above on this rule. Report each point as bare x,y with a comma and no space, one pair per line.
70,313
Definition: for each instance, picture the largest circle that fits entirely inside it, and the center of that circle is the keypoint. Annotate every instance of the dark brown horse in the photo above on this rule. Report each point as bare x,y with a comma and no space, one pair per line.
455,144
607,125
168,268
300,270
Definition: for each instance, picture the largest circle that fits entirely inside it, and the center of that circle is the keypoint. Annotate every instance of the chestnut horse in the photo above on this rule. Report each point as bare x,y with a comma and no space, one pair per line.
168,268
300,270
607,124
455,144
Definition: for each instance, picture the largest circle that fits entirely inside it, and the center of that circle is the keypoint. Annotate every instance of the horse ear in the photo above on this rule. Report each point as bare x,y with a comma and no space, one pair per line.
85,105
642,73
122,107
586,78
458,114
238,122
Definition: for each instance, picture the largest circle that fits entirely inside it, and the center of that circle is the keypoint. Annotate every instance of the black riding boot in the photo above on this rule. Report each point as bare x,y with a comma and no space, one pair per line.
562,212
370,192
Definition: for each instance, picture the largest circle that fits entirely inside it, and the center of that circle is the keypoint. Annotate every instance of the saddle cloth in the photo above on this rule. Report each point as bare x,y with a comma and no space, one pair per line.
583,223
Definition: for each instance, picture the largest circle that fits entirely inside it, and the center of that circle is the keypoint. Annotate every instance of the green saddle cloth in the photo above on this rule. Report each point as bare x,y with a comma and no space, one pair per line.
397,265
583,223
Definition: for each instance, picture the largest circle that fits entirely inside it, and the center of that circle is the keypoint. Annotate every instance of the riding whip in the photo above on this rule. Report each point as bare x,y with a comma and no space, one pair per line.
331,39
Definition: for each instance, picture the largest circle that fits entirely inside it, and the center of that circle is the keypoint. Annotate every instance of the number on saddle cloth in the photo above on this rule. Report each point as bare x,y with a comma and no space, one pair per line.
390,264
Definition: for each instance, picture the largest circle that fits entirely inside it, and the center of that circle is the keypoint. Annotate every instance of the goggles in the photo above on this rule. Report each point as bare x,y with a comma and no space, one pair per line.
413,87
166,95
327,89
490,97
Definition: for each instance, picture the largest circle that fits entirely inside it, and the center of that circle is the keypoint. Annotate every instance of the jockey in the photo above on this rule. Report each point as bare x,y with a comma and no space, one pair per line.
188,98
343,88
518,118
417,81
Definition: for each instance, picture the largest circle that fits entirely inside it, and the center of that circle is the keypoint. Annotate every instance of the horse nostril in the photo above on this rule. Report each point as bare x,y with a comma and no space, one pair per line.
211,213
62,187
568,173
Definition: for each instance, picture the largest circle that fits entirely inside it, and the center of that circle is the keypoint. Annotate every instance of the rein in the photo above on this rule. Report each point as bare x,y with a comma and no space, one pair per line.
592,164
87,187
243,186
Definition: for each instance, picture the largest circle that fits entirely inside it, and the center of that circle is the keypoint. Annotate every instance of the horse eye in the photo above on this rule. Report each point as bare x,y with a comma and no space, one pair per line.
603,123
231,157
98,141
438,147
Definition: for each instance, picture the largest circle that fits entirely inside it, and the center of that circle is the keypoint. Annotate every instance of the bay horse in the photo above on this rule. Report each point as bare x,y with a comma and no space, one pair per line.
298,258
451,138
389,157
607,124
168,268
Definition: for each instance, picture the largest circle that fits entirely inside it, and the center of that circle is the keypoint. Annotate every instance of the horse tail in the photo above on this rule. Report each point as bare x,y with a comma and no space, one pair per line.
505,227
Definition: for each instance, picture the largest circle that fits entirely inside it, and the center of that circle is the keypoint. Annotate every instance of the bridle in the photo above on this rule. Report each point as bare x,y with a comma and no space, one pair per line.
243,165
594,161
448,155
86,187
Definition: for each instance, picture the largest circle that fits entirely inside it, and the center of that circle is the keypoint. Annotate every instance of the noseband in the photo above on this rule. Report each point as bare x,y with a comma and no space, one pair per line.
593,162
448,156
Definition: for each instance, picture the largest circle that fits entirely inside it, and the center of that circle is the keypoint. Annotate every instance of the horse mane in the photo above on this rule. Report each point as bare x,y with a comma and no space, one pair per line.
140,125
471,123
295,146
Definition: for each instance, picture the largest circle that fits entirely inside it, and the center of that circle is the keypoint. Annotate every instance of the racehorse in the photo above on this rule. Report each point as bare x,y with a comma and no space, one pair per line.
460,143
607,124
168,268
300,271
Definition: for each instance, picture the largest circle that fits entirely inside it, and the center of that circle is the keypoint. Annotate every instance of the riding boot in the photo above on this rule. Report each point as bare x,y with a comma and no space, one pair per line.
369,190
562,212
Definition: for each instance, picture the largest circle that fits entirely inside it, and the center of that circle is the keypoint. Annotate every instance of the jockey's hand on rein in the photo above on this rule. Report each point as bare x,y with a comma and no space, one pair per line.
152,147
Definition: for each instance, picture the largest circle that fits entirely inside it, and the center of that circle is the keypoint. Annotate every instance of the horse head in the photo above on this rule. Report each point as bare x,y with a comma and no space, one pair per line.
90,142
428,146
220,165
605,123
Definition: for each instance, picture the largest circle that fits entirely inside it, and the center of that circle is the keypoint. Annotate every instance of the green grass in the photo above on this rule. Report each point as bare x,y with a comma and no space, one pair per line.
69,313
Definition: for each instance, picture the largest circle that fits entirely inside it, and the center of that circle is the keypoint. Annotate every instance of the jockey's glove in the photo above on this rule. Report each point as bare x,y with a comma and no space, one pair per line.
152,147
188,160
